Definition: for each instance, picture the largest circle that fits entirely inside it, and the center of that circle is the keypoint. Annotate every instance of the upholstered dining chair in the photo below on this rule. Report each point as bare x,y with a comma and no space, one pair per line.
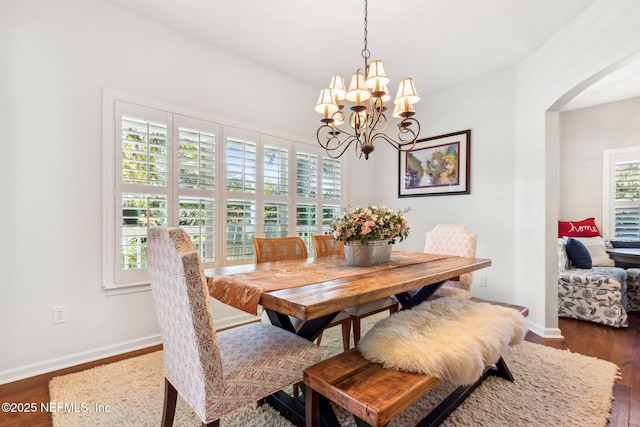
449,239
283,248
214,372
325,245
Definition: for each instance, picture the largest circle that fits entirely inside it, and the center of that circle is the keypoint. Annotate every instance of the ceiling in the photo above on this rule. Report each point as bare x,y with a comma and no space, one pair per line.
437,42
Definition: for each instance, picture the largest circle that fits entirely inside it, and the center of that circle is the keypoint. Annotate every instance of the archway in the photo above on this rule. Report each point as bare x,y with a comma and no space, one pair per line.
590,87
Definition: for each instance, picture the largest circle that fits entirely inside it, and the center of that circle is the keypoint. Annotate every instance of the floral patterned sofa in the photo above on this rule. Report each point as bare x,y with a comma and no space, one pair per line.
633,275
633,289
598,294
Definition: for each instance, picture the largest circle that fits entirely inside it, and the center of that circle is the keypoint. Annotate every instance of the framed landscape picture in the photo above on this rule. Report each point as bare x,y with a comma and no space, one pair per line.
436,166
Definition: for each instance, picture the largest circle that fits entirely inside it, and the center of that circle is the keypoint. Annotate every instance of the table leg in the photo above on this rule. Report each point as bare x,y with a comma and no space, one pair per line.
280,320
309,330
291,408
409,301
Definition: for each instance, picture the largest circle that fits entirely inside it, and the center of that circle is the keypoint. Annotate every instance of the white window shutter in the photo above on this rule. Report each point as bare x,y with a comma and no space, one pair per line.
627,200
223,185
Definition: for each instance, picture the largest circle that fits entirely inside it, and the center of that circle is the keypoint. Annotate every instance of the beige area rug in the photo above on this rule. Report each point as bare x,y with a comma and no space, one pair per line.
552,388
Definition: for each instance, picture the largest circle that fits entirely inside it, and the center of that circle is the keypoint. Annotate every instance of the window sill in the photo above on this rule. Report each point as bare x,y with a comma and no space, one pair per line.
127,288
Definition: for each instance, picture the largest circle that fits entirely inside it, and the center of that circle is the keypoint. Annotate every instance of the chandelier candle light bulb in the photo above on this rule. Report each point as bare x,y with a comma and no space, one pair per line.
325,105
368,121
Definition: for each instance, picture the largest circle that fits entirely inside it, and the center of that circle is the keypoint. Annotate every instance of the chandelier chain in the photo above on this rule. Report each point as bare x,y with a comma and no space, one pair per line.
365,52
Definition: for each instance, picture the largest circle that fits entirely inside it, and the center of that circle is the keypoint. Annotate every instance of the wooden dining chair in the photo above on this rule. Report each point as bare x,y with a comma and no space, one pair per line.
449,239
214,372
326,245
284,248
279,248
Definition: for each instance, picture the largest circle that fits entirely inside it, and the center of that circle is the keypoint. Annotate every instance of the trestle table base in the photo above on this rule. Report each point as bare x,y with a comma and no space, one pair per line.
292,408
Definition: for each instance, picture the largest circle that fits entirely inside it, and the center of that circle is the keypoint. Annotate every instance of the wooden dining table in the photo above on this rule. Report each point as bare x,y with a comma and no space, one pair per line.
315,290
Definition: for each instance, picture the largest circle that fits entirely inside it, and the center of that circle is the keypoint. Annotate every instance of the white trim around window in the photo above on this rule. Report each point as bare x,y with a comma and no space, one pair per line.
621,203
260,183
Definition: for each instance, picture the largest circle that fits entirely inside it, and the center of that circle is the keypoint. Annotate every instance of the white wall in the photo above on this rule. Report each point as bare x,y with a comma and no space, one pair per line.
57,57
604,34
584,134
486,106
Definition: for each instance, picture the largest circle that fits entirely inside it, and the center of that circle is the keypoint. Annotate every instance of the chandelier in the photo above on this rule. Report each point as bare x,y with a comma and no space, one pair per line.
367,120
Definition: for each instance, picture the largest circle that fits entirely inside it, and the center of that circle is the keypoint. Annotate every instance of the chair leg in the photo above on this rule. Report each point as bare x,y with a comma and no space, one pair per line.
394,308
311,410
296,390
346,333
356,320
356,329
170,401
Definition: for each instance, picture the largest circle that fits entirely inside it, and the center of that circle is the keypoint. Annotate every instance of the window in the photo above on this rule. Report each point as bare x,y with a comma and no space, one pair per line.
224,185
621,194
331,192
164,175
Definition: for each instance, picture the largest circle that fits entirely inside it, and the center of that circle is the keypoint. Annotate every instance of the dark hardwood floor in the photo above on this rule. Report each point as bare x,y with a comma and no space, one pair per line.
620,346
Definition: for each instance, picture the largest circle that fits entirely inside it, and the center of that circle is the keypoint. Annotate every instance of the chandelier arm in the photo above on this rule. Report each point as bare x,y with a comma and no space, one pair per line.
334,132
332,148
358,148
378,118
405,128
347,143
401,144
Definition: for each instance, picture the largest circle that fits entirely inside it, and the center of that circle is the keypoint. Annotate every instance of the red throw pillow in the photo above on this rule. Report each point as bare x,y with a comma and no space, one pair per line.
585,228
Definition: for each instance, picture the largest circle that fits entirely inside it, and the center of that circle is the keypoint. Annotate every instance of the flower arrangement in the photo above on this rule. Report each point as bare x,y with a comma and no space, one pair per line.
364,224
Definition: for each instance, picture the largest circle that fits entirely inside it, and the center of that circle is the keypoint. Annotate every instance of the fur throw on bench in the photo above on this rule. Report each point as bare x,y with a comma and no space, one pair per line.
450,338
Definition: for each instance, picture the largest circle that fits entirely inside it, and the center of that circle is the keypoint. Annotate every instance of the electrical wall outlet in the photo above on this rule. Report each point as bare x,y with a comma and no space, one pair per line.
483,281
60,314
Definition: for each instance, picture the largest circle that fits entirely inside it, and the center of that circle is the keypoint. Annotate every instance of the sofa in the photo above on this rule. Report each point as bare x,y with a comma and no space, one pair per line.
603,293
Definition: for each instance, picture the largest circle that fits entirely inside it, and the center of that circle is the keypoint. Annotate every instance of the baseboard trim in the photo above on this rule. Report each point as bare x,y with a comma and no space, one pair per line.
554,333
12,381
79,359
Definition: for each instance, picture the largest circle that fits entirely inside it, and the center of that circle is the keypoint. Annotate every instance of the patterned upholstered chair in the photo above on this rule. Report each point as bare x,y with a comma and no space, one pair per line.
597,294
326,245
452,240
283,248
633,275
633,289
214,372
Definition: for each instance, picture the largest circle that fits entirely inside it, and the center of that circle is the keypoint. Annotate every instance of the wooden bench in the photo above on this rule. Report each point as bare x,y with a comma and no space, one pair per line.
374,395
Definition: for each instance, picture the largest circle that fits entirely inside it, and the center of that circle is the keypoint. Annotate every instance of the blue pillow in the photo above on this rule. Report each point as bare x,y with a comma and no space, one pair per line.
578,254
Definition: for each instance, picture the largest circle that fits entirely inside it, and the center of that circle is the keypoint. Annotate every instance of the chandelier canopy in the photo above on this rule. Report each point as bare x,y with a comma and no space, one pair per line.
367,120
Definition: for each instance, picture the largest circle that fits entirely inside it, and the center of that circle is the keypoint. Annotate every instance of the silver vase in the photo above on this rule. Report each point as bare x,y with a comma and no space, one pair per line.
375,252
